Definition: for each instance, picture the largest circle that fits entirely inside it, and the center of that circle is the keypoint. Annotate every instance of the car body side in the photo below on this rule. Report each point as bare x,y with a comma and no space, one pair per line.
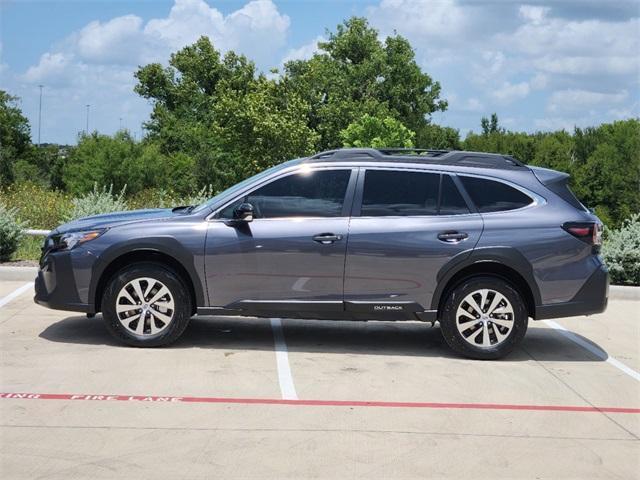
556,273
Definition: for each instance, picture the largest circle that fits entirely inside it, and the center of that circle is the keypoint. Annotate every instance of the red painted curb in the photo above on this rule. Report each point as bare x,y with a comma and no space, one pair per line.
316,403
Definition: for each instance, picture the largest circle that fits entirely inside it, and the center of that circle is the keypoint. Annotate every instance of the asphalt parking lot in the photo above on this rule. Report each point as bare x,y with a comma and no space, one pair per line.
260,398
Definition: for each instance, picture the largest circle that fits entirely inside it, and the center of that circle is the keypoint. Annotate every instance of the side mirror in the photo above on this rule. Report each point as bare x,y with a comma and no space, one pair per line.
243,212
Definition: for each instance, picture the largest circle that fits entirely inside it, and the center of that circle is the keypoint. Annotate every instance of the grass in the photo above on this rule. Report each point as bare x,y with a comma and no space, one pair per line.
29,248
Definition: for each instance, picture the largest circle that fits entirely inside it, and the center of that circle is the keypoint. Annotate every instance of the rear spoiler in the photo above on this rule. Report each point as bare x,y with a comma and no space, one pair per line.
546,176
557,182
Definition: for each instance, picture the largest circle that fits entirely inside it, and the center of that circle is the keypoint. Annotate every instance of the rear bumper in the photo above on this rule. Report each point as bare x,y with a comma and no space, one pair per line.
591,298
55,285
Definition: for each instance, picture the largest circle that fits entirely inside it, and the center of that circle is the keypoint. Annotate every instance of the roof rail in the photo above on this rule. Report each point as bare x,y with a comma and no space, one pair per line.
341,153
377,153
421,155
400,151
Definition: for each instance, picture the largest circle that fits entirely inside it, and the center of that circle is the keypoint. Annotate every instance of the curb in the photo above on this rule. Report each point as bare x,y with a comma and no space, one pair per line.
624,292
16,274
616,292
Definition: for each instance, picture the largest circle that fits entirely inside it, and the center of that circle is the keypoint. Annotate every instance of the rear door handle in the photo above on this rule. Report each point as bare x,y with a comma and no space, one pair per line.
452,237
326,238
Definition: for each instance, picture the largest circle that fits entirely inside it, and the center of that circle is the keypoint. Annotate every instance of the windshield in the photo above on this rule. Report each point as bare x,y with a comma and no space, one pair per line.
239,186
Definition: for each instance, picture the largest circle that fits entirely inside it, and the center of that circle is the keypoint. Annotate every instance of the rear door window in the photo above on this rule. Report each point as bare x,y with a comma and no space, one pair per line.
391,193
492,196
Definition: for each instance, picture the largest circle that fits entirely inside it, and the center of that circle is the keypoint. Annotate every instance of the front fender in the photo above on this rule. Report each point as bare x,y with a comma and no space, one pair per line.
165,245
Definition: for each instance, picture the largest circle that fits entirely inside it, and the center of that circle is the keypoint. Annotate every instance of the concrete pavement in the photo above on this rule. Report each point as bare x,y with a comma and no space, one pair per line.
44,351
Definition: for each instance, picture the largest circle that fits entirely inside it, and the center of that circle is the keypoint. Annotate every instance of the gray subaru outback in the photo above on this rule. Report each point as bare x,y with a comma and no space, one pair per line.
478,242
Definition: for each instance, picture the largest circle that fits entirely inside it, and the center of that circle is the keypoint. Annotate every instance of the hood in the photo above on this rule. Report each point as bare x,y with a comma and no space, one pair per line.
106,220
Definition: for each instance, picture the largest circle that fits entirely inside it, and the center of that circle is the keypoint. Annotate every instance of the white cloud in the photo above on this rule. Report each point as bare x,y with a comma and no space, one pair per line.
508,92
421,19
257,30
502,52
473,105
533,13
574,99
118,40
95,65
304,52
557,123
539,81
585,65
626,111
52,67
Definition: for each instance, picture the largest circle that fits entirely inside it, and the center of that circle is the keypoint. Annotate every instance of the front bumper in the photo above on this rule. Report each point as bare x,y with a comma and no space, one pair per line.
55,285
591,298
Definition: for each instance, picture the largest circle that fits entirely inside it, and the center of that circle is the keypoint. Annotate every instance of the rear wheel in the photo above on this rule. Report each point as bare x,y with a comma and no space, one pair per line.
484,318
146,305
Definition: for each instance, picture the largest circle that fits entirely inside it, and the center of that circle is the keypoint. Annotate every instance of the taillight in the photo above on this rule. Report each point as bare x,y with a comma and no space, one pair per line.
589,232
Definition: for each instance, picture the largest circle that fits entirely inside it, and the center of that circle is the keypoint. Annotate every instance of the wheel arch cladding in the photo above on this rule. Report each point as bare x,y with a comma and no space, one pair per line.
117,262
505,263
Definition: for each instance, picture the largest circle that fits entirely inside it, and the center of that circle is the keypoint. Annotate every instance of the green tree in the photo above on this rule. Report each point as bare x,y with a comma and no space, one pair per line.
376,132
217,110
609,179
491,125
554,150
116,160
434,136
15,136
43,165
354,73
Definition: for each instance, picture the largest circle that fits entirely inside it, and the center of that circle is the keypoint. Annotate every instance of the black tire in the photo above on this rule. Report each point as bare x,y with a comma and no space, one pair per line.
178,291
456,340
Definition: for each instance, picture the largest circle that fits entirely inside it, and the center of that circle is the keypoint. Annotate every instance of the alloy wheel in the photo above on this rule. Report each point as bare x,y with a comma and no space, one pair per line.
485,318
145,306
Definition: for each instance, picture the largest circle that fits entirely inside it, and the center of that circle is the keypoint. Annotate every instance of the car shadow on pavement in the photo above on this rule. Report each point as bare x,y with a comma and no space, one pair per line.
323,336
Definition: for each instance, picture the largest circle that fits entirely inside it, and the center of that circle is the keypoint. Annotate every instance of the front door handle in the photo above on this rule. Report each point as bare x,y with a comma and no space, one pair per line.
326,238
452,237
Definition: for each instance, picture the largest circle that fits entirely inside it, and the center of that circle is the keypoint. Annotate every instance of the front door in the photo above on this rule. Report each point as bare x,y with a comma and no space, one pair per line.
292,254
410,224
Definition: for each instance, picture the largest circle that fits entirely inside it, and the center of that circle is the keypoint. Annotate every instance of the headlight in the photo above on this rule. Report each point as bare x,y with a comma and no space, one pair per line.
67,241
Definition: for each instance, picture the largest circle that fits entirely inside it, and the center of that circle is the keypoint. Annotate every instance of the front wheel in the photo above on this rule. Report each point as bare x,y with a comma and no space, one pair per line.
484,318
146,305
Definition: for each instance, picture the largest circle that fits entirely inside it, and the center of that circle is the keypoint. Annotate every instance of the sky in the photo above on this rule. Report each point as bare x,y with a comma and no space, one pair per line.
540,65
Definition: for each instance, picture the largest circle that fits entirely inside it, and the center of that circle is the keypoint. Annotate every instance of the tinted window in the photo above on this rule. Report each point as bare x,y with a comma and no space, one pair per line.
395,193
490,196
316,194
451,201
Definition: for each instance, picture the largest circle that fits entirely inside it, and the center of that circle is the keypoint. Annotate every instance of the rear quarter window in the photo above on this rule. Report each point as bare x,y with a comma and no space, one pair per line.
493,196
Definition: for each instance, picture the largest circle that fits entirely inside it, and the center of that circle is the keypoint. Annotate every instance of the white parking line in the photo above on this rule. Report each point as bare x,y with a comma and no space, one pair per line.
287,389
16,293
593,349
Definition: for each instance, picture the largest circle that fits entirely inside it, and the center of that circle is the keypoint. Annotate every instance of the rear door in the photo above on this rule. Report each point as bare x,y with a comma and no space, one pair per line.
406,225
291,256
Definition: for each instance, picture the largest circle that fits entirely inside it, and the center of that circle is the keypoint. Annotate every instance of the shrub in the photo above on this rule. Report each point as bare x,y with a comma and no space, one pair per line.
37,206
161,198
97,201
153,198
201,196
621,252
10,232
